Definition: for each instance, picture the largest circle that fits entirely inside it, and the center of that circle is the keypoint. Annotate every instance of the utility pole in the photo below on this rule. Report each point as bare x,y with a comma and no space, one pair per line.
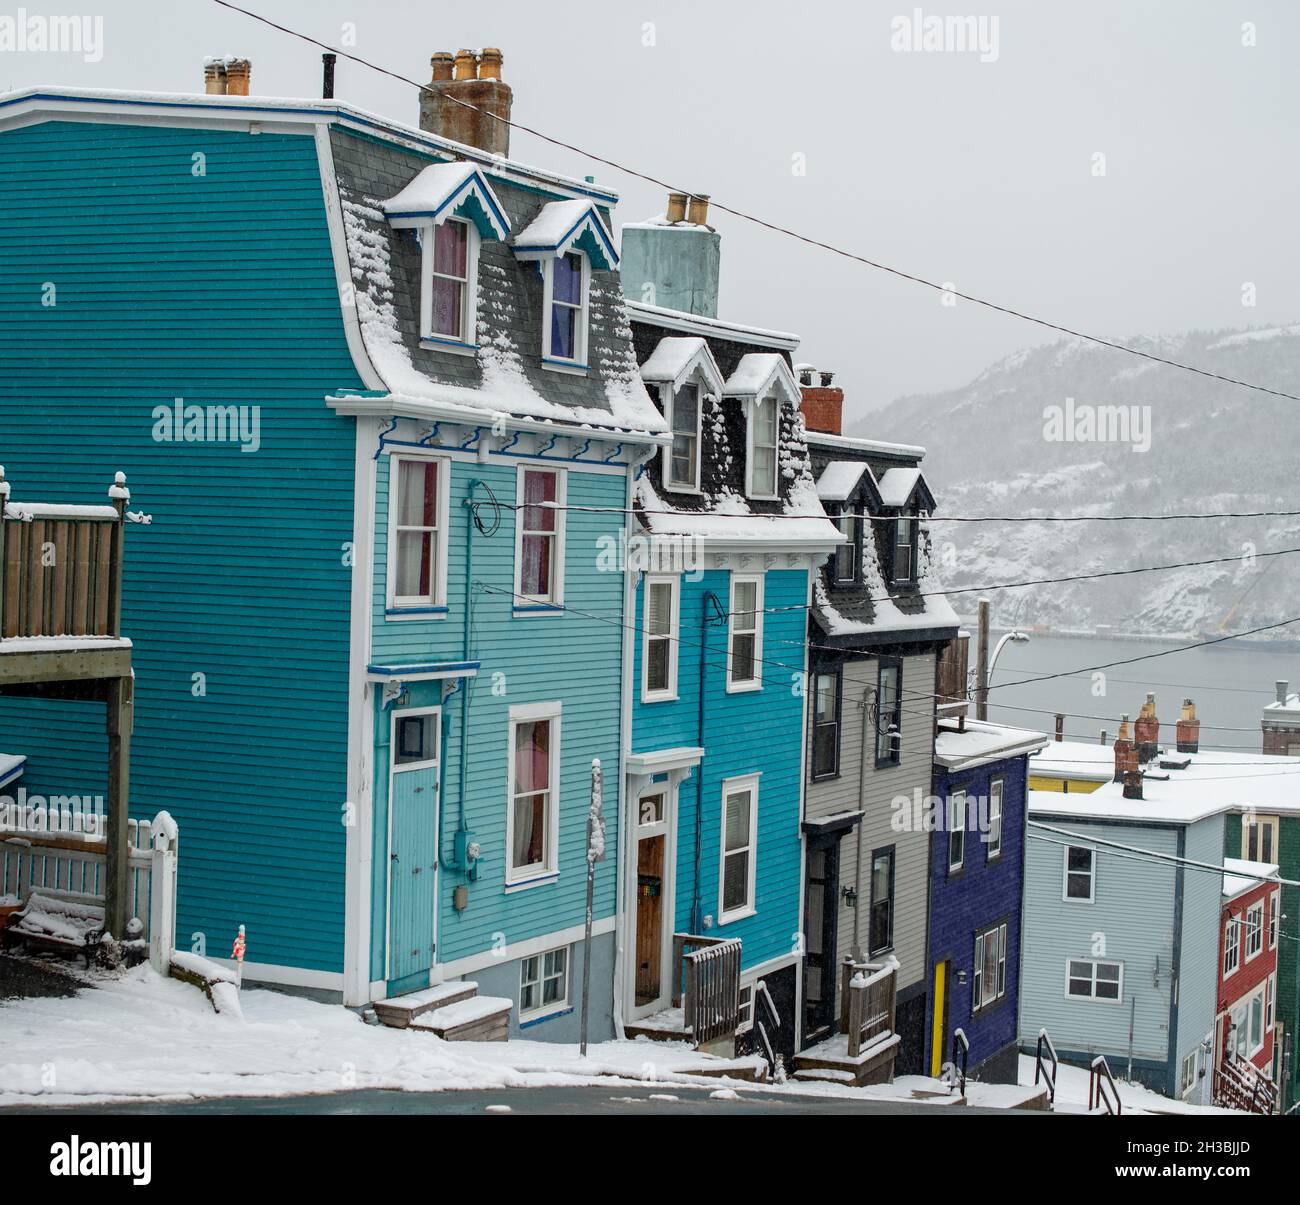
982,664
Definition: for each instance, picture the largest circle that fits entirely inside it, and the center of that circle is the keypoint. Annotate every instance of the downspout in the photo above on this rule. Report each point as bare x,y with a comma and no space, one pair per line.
858,952
697,905
465,650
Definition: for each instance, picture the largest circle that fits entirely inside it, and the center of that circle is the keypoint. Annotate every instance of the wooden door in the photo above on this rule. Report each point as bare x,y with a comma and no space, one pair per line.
413,864
821,919
649,919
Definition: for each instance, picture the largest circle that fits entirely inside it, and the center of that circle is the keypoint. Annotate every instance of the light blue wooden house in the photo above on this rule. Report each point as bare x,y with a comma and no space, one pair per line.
378,389
731,533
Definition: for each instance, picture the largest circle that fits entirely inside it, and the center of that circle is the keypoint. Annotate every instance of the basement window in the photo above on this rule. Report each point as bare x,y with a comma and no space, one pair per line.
544,983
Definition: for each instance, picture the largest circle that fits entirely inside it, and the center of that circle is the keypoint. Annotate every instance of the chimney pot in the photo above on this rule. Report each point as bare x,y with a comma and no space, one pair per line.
214,77
1146,732
466,65
1126,756
1189,729
676,207
465,106
239,74
698,213
1280,688
1060,726
827,378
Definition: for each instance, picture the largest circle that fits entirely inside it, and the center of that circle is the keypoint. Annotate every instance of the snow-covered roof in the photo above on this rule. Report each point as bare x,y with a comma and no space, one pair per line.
1241,875
1279,712
982,743
898,485
840,478
698,324
1214,781
873,447
800,523
444,189
676,358
759,374
560,227
1086,761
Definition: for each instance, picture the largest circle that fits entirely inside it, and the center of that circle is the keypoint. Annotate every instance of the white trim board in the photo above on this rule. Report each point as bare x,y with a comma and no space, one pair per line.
523,949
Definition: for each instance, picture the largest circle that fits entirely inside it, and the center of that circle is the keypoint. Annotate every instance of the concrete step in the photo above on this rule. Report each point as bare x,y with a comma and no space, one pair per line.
400,1011
478,1019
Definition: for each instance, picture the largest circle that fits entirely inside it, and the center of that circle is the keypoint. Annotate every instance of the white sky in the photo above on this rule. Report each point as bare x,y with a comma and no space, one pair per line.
980,173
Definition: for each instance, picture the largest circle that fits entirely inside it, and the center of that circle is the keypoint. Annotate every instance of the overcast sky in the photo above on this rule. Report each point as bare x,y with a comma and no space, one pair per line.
982,173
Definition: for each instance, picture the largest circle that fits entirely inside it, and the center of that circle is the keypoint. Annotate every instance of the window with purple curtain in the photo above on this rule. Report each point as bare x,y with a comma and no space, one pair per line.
450,279
537,544
566,306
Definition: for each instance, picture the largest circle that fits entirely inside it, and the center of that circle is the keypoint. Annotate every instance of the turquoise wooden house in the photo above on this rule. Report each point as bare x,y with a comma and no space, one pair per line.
730,535
378,389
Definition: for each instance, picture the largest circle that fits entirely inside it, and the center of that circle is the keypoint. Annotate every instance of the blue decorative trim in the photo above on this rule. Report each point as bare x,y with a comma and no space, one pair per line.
430,667
473,439
514,440
555,608
563,1012
416,610
582,451
570,364
438,341
434,432
383,437
547,447
614,453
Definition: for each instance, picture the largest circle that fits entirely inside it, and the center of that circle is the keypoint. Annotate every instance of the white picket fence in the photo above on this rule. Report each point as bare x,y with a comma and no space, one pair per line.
63,856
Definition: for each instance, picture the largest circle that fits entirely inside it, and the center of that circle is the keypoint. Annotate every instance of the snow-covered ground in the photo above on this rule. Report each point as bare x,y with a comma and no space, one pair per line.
138,1036
1072,1094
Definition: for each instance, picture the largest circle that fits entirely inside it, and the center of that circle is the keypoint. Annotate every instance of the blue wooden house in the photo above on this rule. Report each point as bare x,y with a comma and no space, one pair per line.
378,388
977,866
730,535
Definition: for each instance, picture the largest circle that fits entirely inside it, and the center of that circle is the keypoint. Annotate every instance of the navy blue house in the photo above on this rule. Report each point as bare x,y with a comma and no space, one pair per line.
977,848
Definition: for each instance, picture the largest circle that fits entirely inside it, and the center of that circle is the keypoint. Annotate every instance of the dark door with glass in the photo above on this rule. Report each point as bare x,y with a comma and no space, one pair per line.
821,898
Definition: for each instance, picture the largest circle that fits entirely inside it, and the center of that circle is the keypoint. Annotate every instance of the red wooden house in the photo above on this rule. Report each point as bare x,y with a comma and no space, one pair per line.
1246,1044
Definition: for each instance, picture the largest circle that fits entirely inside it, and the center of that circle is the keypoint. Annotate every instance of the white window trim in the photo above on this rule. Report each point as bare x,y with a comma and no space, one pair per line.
750,986
527,604
410,713
1232,928
532,876
733,786
552,1007
1253,1047
1248,926
674,637
756,683
579,361
416,603
751,423
953,796
999,933
1269,822
666,470
1065,878
1274,918
1094,963
468,339
993,852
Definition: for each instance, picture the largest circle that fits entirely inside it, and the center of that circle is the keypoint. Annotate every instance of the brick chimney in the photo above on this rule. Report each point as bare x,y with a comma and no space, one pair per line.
472,80
1280,722
1146,732
674,261
1189,729
1126,757
821,402
1132,784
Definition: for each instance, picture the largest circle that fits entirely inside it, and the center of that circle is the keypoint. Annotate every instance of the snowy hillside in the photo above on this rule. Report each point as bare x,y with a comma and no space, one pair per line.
994,448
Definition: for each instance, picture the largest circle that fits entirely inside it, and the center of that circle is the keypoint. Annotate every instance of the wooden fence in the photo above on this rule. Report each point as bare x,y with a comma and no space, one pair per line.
867,1001
706,984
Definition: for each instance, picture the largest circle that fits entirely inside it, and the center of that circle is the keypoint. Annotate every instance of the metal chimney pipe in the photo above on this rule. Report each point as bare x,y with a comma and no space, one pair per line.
327,76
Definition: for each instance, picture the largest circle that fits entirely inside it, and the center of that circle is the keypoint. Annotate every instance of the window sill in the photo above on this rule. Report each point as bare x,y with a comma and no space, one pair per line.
456,346
660,698
571,367
540,880
694,490
528,1019
743,688
828,777
886,763
732,917
437,612
525,609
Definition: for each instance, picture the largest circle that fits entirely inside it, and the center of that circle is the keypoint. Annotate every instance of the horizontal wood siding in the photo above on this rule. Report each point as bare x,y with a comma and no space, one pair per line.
877,829
1198,970
218,289
568,657
1133,915
744,733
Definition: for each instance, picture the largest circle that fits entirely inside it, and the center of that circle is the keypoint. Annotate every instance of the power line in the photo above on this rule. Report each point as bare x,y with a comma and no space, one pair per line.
808,240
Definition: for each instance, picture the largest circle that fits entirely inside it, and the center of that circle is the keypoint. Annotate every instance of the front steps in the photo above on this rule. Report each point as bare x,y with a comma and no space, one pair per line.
830,1062
452,1011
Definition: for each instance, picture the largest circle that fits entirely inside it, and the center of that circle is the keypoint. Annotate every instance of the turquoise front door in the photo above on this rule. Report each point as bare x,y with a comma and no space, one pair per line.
413,844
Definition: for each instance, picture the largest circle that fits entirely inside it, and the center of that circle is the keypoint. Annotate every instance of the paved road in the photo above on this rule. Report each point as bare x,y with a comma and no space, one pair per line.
612,1100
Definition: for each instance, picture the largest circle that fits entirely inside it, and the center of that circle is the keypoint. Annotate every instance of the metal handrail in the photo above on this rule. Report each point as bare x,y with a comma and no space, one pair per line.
1040,1067
962,1043
1097,1094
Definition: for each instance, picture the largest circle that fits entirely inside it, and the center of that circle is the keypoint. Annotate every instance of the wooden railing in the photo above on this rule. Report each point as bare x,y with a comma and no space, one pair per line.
706,984
61,566
950,679
867,1001
1239,1084
71,866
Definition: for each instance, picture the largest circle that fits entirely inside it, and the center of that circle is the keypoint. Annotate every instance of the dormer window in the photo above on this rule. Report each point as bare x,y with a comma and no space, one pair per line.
684,456
905,530
848,557
449,309
764,424
564,334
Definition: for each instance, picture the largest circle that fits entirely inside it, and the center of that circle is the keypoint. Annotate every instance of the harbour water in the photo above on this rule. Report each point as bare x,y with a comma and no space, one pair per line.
1230,686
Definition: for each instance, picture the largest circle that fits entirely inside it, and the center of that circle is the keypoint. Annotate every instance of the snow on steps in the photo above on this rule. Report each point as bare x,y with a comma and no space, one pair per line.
874,1064
453,1011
